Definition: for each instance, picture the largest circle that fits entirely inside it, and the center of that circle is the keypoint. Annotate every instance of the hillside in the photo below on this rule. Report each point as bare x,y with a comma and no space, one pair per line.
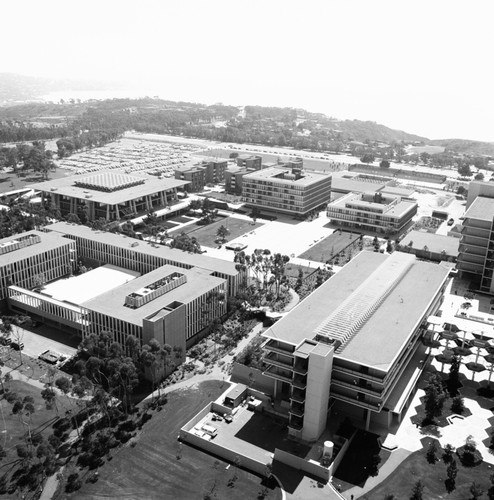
466,146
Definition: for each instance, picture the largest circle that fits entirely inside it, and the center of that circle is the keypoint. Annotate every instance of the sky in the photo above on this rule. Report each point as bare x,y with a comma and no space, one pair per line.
420,66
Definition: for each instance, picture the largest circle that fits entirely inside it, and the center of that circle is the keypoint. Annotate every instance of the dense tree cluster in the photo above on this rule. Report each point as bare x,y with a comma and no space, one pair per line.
26,158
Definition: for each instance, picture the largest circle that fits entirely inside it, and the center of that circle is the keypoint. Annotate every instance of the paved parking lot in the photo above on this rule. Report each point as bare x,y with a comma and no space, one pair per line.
35,344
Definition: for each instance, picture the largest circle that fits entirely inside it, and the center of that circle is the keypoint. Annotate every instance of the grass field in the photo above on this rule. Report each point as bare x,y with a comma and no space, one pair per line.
151,470
416,467
330,246
206,235
11,428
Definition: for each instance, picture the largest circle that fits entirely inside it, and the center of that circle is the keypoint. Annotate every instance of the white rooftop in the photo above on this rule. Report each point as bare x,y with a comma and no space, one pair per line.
84,287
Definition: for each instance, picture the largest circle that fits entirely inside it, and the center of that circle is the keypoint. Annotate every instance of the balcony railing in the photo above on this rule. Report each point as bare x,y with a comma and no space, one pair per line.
273,372
298,412
363,375
278,347
298,396
273,359
301,369
364,389
360,402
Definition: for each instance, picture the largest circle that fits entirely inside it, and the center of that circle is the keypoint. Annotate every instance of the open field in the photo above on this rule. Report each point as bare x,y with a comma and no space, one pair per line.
206,235
152,470
416,467
330,246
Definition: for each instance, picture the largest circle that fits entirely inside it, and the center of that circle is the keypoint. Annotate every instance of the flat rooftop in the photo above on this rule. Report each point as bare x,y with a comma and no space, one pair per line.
395,302
482,208
79,289
45,243
345,182
386,207
307,179
111,303
107,187
435,242
147,248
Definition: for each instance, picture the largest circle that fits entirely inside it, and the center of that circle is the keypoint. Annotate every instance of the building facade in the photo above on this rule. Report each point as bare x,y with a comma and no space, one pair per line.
251,162
109,195
34,257
476,251
372,212
286,191
200,174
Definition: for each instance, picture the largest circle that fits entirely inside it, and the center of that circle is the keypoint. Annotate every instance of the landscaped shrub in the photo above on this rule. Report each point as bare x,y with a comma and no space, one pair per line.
468,453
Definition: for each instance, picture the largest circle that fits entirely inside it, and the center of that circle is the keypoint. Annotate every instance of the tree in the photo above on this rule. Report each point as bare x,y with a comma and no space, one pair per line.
451,472
384,164
464,170
457,405
479,176
222,233
448,453
417,491
434,398
476,491
453,382
490,491
425,157
431,452
186,243
367,158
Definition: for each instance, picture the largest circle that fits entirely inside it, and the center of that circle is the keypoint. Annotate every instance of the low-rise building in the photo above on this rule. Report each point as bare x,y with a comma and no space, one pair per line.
373,212
290,191
251,162
109,195
430,246
200,174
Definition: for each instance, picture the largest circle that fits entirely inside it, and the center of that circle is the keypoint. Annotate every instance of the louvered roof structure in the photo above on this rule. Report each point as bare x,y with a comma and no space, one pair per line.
356,309
371,307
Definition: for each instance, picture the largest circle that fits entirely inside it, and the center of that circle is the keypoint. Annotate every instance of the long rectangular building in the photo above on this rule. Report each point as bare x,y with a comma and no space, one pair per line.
354,341
34,257
109,248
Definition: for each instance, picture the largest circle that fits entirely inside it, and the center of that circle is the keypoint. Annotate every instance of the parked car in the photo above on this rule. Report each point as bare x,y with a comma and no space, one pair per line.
17,346
228,418
451,222
5,341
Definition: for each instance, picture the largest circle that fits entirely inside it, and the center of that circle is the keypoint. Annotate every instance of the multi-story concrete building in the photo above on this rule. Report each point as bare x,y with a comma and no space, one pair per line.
99,247
287,191
200,174
34,257
251,162
109,195
476,252
479,188
372,212
355,342
234,179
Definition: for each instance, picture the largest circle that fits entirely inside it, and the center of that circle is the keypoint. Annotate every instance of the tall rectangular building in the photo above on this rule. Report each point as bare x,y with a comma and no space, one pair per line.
476,252
290,191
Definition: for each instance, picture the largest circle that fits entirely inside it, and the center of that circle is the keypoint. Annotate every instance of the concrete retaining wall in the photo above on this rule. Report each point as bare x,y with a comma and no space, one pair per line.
253,378
222,452
309,466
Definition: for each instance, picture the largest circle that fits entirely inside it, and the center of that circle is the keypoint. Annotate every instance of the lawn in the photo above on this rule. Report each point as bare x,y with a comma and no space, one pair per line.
160,467
41,421
206,235
331,246
416,467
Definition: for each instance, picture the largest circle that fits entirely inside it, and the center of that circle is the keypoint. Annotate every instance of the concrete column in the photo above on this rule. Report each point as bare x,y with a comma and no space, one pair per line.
107,212
367,420
134,206
162,198
390,415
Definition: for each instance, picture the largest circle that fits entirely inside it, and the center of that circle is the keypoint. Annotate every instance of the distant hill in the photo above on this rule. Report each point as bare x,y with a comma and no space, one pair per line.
466,146
372,131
